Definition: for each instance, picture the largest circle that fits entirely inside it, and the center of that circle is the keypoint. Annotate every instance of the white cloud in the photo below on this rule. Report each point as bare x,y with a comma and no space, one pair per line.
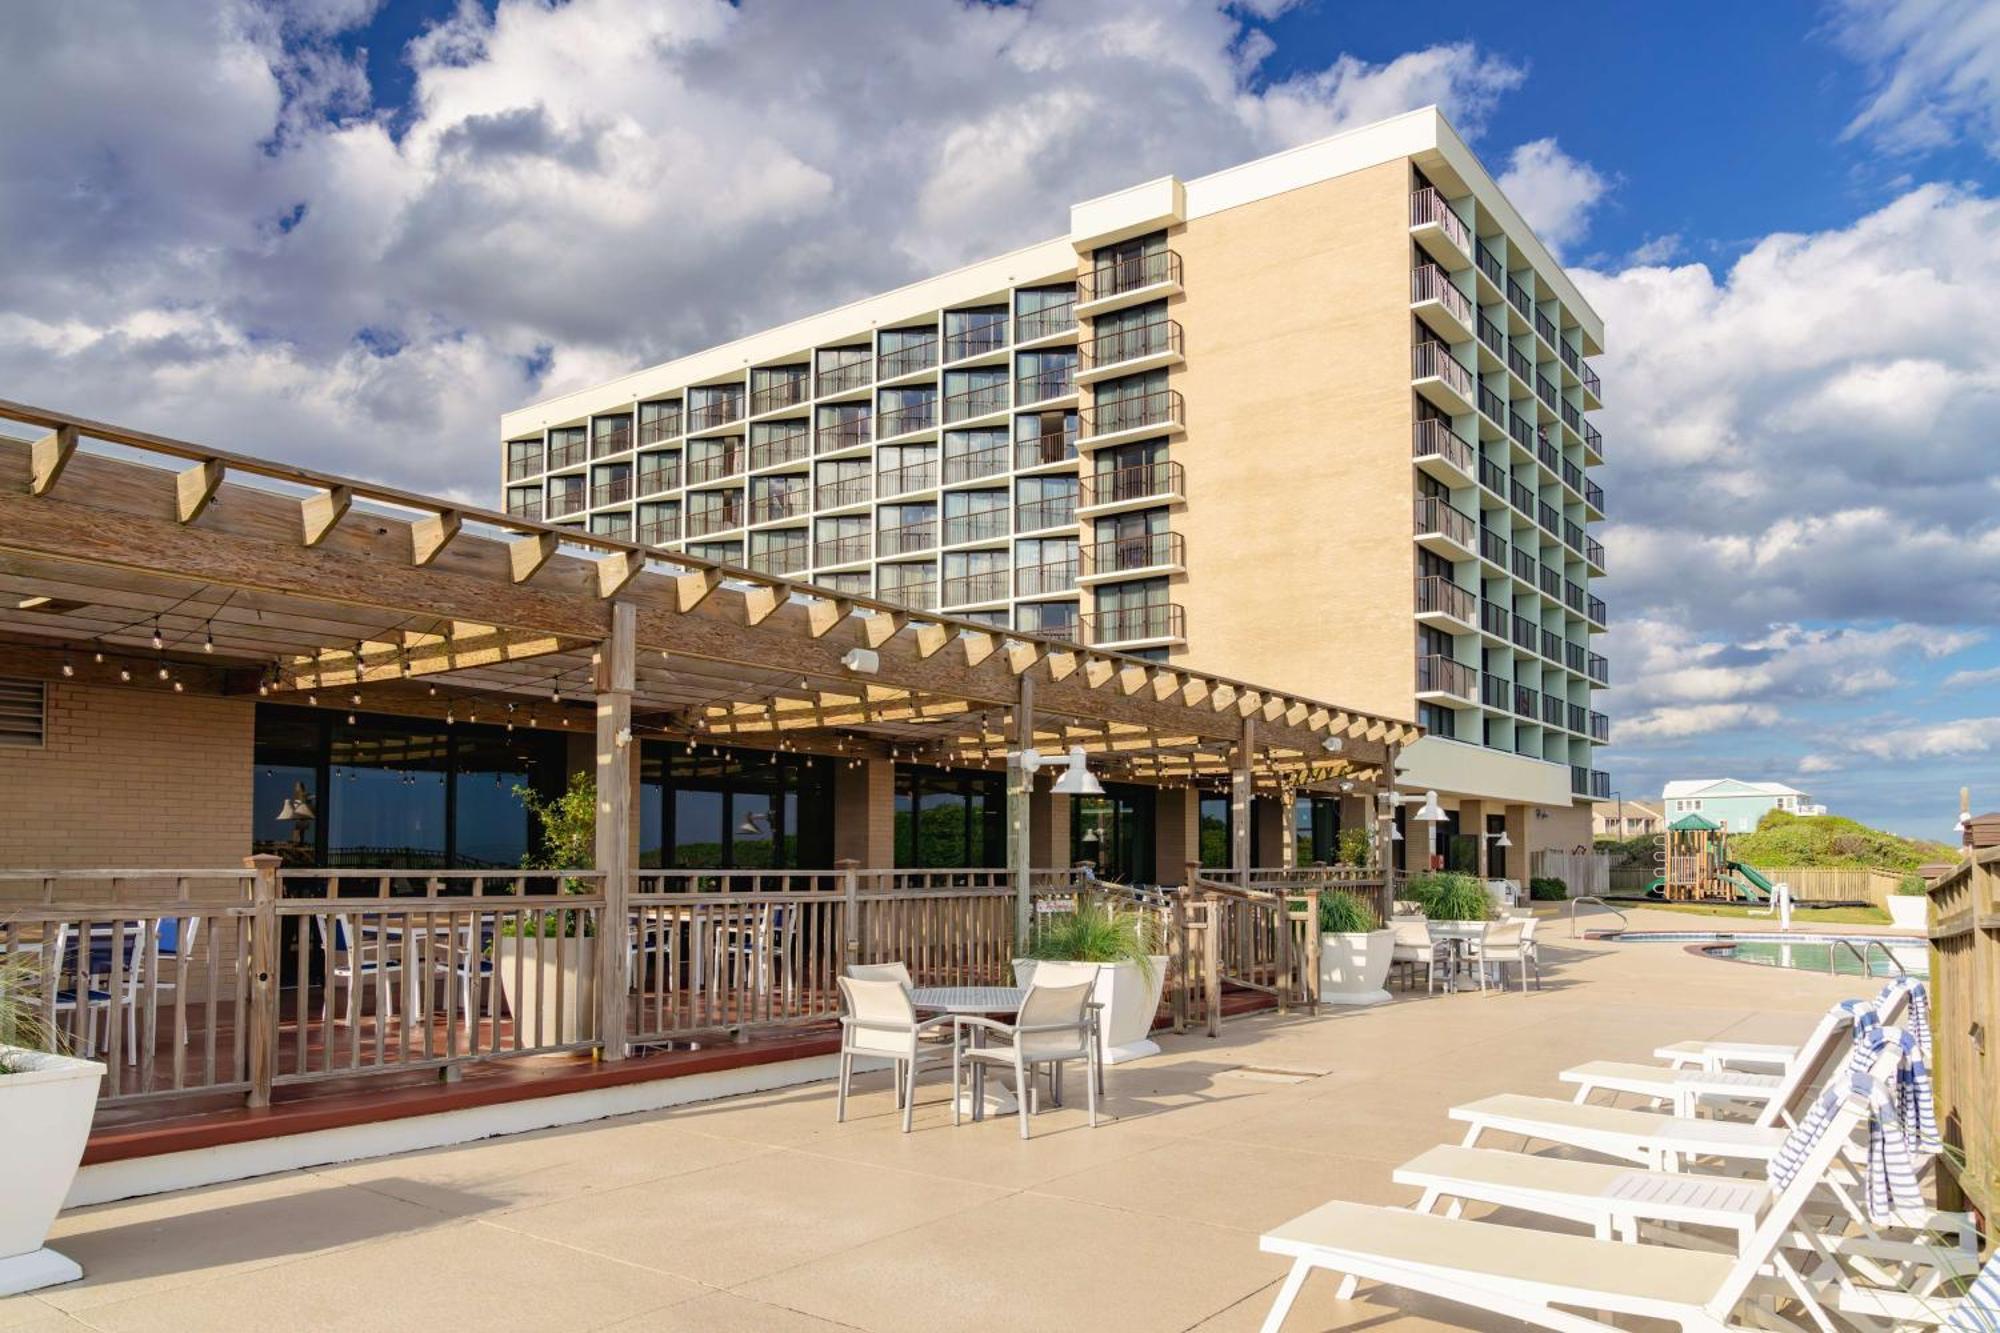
1554,191
1656,249
1959,680
1937,67
1676,723
1935,740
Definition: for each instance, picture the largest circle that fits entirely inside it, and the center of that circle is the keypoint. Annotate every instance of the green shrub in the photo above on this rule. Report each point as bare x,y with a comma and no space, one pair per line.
1786,839
567,827
1547,888
1352,847
1095,933
1345,914
21,1005
1444,896
1911,886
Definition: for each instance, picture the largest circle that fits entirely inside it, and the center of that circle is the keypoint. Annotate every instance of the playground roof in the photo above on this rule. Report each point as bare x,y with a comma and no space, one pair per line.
1693,824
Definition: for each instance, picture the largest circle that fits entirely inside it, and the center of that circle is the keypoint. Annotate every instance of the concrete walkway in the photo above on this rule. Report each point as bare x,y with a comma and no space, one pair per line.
761,1213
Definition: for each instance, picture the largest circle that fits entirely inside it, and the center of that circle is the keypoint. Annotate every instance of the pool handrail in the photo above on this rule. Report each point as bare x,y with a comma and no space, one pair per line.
1861,955
1592,898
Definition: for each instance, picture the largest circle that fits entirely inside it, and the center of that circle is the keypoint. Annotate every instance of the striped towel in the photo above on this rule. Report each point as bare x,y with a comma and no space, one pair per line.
1979,1309
1918,1020
1915,1101
1798,1144
1892,1173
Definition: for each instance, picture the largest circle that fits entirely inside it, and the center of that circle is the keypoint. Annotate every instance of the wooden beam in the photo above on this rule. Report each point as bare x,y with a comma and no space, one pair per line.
1021,656
931,638
1097,671
881,627
48,457
1132,679
1062,664
323,511
824,614
194,488
1194,691
979,647
616,570
760,602
430,534
526,555
692,588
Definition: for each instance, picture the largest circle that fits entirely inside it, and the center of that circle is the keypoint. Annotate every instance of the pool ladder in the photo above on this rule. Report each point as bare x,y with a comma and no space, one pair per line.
1861,955
1593,898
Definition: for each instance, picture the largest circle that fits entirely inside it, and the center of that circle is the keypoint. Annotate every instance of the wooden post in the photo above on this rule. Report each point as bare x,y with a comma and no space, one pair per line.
1288,829
616,671
1385,828
1284,919
1241,786
1211,964
850,908
262,1048
1020,797
1177,928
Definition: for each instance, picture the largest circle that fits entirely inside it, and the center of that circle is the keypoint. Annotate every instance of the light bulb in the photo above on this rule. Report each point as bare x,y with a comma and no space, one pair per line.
177,687
98,657
164,673
158,641
207,639
69,667
124,673
313,700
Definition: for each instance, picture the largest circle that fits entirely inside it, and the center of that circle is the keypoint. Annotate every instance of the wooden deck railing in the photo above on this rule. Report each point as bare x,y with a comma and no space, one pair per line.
1965,1023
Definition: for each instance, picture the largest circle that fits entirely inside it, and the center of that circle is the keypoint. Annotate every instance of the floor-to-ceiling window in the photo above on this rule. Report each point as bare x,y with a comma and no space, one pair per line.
1316,829
703,809
1214,821
948,819
1115,832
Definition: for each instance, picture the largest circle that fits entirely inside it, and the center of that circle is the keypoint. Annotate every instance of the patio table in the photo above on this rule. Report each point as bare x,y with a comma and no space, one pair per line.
1455,936
978,1001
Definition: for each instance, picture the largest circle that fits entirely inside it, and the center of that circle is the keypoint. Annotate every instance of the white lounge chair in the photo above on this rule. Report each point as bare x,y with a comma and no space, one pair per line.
1543,1278
1653,1140
1889,1004
1683,1088
880,1023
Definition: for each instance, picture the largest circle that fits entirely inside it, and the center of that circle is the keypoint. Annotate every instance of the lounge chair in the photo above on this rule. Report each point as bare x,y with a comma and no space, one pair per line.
1682,1088
1889,1004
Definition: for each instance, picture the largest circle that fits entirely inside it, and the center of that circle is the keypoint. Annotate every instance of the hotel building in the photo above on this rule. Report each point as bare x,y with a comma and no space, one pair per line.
1321,418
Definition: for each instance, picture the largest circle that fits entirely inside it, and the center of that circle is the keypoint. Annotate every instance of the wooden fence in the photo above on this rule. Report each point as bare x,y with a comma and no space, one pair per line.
1809,884
1965,1022
1583,873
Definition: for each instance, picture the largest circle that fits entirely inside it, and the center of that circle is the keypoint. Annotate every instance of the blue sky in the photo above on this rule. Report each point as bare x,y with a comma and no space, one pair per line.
352,232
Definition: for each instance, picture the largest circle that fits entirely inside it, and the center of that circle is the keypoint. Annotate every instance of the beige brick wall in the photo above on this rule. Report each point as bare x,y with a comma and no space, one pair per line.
864,813
1176,833
130,778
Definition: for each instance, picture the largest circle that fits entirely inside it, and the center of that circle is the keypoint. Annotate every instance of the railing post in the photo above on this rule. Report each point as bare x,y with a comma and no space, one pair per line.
262,1045
1283,917
1211,964
612,847
1177,925
850,908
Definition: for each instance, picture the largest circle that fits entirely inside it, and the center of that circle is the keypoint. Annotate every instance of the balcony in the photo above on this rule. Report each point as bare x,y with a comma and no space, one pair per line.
842,492
1492,405
967,404
616,440
1441,377
1553,709
1579,780
1594,783
1442,602
1522,562
908,359
849,377
1517,296
909,419
1524,702
1570,356
1573,535
1444,454
1138,486
902,480
775,505
573,452
1524,369
1129,351
1550,581
1552,645
1600,728
981,525
1572,417
1493,477
1047,447
975,464
907,538
660,429
1548,517
1524,633
1593,444
713,518
715,414
1041,388
1439,304
1125,557
1600,785
1593,611
1592,389
1546,329
1593,498
1049,322
1490,266
714,467
1439,230
918,594
660,531
1521,498
1049,577
1546,451
1109,284
564,503
1037,515
1572,656
660,477
1441,676
1110,420
978,340
1132,626
786,559
1572,476
1578,718
1492,336
527,509
1492,546
1598,669
521,469
1445,531
985,586
780,394
1593,554
847,550
774,450
1495,692
616,491
848,432
1573,596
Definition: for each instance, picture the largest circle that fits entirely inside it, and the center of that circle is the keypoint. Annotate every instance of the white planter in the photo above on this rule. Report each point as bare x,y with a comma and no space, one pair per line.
538,989
1353,968
1130,1000
1909,911
45,1111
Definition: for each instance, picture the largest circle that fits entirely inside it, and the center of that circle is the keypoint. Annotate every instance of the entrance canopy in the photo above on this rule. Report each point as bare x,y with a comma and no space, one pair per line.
131,558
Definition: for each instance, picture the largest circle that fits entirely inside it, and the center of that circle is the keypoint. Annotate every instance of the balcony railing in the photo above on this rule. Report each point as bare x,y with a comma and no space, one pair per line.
1435,361
1428,208
1119,555
658,430
1553,710
1522,562
1550,581
1489,264
1046,322
845,378
660,531
985,586
1593,552
1142,481
1576,718
1524,702
1552,645
616,440
908,359
975,402
980,525
1573,656
907,538
1572,475
1569,355
1571,416
1591,385
1598,669
1592,440
1112,416
520,469
1492,404
713,467
782,393
1573,596
1600,785
1493,336
1517,361
790,558
841,550
978,340
1593,608
918,593
709,416
564,503
1437,595
1059,512
1165,620
1600,728
913,477
1546,451
1047,446
1042,386
1546,327
1524,633
1155,338
1437,674
1492,476
1051,576
1547,515
568,453
843,433
988,462
1520,430
1492,546
1573,535
528,509
614,492
773,450
1436,439
1579,780
1593,495
1496,692
1105,279
1517,296
1430,283
1434,514
658,478
920,415
844,491
1521,498
714,518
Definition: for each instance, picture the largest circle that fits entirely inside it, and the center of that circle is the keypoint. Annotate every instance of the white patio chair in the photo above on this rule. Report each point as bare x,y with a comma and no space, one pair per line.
1413,947
1507,942
1055,1026
353,961
880,1023
898,972
1470,935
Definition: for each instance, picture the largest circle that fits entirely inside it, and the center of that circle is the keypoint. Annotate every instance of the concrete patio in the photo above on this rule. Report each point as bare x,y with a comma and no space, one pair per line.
762,1213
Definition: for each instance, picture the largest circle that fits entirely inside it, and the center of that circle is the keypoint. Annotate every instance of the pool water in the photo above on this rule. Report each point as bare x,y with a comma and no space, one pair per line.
1844,956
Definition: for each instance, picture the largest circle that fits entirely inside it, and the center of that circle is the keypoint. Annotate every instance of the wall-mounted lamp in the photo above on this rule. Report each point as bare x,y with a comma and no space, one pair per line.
1078,781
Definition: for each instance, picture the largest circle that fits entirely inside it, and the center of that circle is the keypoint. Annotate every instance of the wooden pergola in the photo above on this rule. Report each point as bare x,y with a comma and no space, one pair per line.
166,564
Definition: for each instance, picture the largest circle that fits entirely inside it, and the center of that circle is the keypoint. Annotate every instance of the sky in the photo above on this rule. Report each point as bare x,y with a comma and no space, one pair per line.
351,233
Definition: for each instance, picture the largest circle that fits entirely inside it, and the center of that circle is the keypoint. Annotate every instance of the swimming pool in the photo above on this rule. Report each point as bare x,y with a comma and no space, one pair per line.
1836,955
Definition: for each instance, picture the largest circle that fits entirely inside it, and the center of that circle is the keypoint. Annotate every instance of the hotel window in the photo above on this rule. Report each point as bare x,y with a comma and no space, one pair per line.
1044,437
975,516
1315,829
1044,565
567,447
841,369
1046,374
566,495
969,454
524,501
524,459
1040,312
1436,720
974,332
740,809
974,393
610,435
906,351
714,405
659,472
1115,831
725,553
905,467
844,481
841,540
1125,265
854,583
1127,335
1045,502
903,410
660,421
1056,619
841,426
975,576
710,459
785,551
1129,401
775,387
1213,822
617,525
659,523
776,442
904,528
949,819
913,583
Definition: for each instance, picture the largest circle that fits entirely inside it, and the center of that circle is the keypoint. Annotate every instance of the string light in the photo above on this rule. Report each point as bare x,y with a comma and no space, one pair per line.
433,691
159,640
208,637
164,673
125,674
98,656
68,667
312,700
177,687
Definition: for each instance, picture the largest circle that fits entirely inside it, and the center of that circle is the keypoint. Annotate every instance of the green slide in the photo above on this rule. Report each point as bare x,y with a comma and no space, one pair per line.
1750,880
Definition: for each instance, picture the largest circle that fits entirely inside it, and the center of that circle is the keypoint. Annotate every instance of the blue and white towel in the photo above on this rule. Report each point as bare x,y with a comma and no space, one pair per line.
1798,1144
1915,1102
1918,1019
1979,1309
1892,1172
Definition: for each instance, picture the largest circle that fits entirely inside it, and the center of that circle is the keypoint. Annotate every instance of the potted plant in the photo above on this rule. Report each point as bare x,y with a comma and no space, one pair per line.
1354,951
1909,905
46,1103
1121,950
1445,896
549,970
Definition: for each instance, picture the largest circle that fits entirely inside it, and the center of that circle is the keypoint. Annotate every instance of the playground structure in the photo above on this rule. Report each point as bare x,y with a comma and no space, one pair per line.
1695,867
